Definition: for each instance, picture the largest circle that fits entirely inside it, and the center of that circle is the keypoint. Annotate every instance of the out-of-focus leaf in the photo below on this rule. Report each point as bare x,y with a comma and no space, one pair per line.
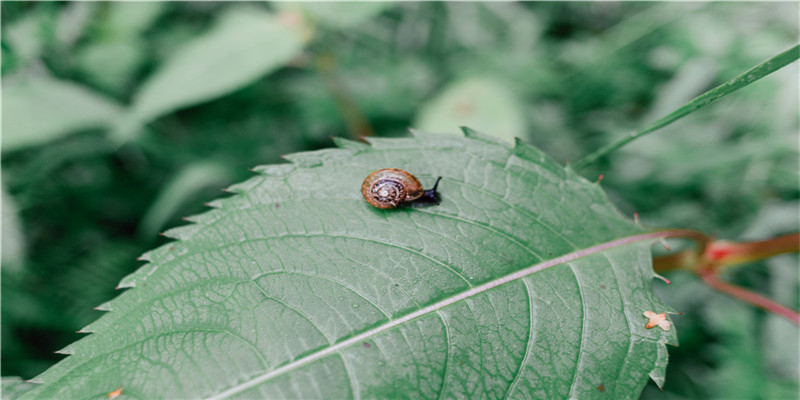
690,81
73,20
39,109
246,44
26,37
483,103
186,183
111,64
131,18
13,387
112,61
296,288
338,15
13,238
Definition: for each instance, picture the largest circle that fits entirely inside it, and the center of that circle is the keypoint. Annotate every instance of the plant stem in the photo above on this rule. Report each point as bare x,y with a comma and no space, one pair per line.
724,253
686,259
746,78
354,119
711,279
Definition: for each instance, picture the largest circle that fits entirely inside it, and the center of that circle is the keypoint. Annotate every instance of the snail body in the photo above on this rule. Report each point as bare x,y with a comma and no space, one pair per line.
390,187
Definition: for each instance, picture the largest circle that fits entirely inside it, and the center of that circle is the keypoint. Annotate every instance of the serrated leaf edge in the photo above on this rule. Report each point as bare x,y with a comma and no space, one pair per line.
439,305
316,158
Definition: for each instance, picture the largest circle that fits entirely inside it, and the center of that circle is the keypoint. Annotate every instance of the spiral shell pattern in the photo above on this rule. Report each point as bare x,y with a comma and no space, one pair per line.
388,188
388,192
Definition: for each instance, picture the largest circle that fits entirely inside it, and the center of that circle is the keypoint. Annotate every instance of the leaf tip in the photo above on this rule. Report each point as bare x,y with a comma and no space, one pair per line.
216,204
182,232
145,257
125,284
658,373
304,159
275,169
661,277
468,132
474,134
414,132
348,144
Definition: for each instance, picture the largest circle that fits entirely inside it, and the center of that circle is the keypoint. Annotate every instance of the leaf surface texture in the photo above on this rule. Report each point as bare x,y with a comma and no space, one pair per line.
295,287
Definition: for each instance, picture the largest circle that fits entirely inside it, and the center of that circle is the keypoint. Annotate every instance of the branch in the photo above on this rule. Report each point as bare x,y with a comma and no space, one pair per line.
354,119
710,277
724,253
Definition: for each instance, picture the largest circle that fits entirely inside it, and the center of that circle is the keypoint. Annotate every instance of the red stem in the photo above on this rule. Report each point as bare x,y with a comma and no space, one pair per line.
725,253
711,279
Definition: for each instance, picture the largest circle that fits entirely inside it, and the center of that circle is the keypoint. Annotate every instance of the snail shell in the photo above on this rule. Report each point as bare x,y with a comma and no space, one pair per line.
389,187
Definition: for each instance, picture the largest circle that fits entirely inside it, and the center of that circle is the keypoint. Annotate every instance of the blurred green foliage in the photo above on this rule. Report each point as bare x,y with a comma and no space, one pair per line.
120,118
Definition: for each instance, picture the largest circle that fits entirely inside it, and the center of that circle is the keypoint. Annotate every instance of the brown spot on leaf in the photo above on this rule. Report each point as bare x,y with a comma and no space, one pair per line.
115,394
657,319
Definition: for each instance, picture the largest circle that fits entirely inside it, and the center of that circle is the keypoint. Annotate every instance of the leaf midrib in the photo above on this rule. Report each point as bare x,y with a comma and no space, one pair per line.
473,291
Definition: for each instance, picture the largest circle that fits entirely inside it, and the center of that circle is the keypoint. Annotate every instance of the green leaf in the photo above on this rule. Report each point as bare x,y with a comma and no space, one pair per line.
742,80
111,64
13,236
186,182
26,36
525,283
338,15
39,109
130,19
246,44
480,102
14,387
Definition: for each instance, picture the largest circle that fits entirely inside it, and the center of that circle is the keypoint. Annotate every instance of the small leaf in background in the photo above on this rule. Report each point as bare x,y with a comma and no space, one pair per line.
295,287
131,19
182,187
119,50
111,64
691,80
13,237
40,109
482,103
72,22
26,37
337,15
245,44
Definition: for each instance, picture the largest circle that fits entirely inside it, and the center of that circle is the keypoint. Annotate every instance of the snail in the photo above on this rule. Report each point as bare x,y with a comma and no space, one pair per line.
391,187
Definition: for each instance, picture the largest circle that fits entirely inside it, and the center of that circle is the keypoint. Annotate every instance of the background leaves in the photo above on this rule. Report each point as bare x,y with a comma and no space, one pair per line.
244,45
64,107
